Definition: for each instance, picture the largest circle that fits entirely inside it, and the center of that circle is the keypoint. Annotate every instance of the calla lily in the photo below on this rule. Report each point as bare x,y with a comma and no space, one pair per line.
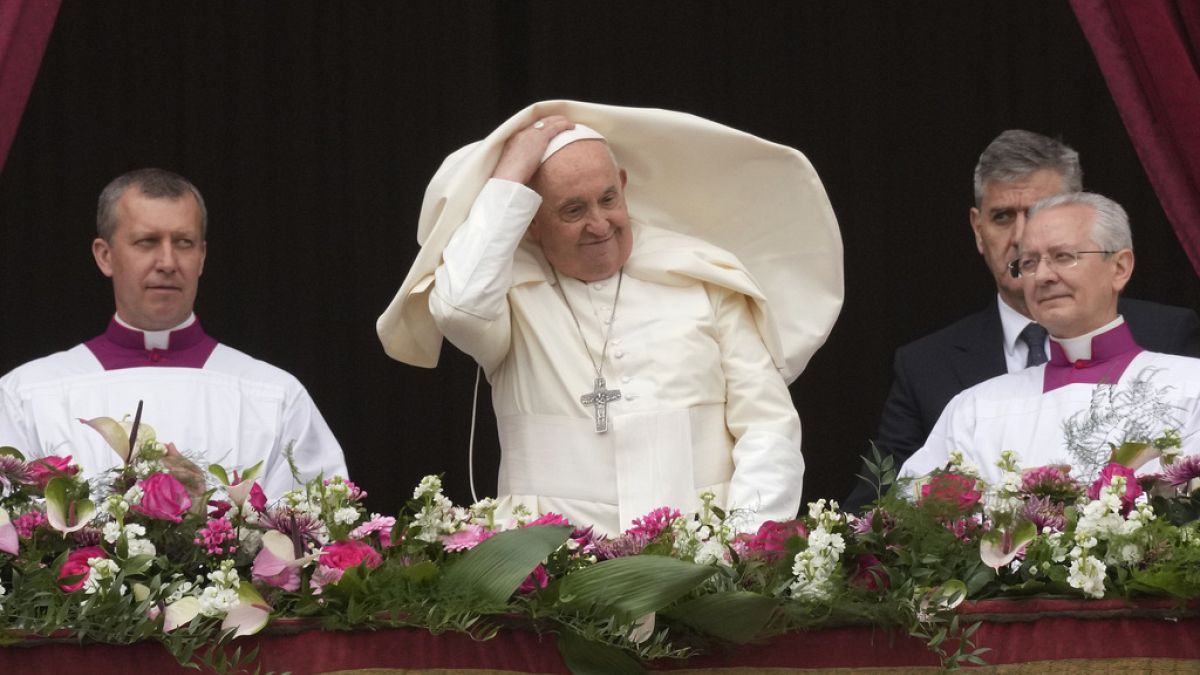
9,542
180,612
239,488
65,514
276,563
999,547
116,434
1134,455
249,615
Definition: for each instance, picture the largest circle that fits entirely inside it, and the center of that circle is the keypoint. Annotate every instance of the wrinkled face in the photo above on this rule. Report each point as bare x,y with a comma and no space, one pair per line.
1071,301
582,224
154,259
999,221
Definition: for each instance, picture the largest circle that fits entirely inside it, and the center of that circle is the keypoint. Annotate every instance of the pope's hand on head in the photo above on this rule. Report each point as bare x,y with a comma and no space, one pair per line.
523,151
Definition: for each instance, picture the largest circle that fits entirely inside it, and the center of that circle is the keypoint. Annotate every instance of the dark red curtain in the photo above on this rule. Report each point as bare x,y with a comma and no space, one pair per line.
1149,52
24,30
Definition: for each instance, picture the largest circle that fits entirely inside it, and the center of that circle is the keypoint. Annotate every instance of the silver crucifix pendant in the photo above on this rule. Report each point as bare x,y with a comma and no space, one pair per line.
599,399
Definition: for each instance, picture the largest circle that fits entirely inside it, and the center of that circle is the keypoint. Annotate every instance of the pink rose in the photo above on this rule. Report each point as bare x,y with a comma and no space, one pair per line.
770,542
1132,489
951,490
537,580
76,565
350,553
42,470
163,498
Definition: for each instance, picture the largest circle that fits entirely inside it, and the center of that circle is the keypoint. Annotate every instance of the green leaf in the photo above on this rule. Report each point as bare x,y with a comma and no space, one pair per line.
491,572
1164,581
11,452
585,657
1134,455
219,471
629,588
736,616
420,572
252,472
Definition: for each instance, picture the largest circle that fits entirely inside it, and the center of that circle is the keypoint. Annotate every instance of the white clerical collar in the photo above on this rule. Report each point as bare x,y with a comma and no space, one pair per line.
1013,322
157,339
1078,348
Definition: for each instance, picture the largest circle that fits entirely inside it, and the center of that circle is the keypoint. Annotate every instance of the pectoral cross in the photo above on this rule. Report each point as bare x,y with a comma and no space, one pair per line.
599,399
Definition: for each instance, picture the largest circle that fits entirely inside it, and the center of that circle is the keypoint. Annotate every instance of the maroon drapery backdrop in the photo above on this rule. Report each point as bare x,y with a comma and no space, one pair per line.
24,30
1149,52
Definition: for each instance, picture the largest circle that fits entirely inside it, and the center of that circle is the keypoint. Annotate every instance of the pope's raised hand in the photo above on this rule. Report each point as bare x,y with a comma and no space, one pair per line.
523,151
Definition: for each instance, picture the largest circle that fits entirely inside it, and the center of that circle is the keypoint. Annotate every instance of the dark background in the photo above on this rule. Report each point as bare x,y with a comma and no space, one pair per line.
312,129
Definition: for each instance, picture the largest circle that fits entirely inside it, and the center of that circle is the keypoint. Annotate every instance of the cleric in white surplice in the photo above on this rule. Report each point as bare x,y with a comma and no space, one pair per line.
639,286
216,404
1075,256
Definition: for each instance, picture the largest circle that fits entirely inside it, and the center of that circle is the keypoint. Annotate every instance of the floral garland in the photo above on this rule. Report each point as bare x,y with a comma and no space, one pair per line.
157,549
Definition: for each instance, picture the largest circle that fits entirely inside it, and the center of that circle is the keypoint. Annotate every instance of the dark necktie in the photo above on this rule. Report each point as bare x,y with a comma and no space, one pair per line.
1034,336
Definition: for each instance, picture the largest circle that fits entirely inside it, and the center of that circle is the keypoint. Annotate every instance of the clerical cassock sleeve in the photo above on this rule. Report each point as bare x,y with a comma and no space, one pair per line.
768,467
469,300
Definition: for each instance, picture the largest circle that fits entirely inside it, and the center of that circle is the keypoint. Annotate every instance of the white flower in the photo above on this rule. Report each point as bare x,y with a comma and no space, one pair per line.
134,495
103,569
184,588
710,552
226,576
345,516
141,547
111,532
430,485
216,601
1087,574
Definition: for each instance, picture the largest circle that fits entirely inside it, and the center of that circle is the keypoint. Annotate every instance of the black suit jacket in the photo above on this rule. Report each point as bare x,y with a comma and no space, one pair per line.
932,370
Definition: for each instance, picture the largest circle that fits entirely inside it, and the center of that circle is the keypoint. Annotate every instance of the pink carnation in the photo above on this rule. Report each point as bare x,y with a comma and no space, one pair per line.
43,469
381,524
466,538
343,555
76,565
1132,489
217,537
27,523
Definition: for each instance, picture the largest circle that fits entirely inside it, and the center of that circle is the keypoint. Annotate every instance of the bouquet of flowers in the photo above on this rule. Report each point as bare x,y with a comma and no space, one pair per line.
160,550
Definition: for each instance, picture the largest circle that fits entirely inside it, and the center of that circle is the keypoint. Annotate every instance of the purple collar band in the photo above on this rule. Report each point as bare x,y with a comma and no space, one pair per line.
1112,353
120,347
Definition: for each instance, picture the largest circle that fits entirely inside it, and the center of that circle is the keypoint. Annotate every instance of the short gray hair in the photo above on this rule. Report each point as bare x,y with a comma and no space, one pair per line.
1110,230
152,183
1017,153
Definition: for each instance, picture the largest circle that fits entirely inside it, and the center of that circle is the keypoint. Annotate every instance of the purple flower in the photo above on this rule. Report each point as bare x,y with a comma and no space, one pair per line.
1045,513
1182,471
13,474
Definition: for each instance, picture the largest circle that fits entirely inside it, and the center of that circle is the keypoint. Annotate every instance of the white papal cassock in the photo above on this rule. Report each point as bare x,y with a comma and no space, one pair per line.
1025,411
212,401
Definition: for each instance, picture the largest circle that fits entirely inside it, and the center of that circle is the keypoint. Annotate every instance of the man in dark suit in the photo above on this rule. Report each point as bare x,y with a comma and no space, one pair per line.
1016,170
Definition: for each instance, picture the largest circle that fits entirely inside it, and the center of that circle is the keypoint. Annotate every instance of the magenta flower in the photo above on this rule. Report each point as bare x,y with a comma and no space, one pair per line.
214,535
869,573
1182,471
163,498
950,490
43,469
76,565
652,524
258,498
343,555
466,538
770,542
550,519
27,523
537,580
1132,489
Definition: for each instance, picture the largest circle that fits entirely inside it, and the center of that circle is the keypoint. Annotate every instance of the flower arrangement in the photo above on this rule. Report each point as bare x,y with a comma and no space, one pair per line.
160,550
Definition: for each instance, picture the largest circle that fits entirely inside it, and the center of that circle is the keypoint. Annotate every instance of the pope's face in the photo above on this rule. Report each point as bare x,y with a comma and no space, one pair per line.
155,259
1071,301
582,224
1000,220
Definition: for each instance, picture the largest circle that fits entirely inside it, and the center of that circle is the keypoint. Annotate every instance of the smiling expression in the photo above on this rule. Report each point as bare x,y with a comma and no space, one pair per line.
582,224
155,258
1072,301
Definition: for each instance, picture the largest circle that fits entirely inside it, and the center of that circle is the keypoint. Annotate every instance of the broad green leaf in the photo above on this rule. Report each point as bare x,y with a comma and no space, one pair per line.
252,473
736,616
585,657
631,587
420,572
11,452
1164,581
492,571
